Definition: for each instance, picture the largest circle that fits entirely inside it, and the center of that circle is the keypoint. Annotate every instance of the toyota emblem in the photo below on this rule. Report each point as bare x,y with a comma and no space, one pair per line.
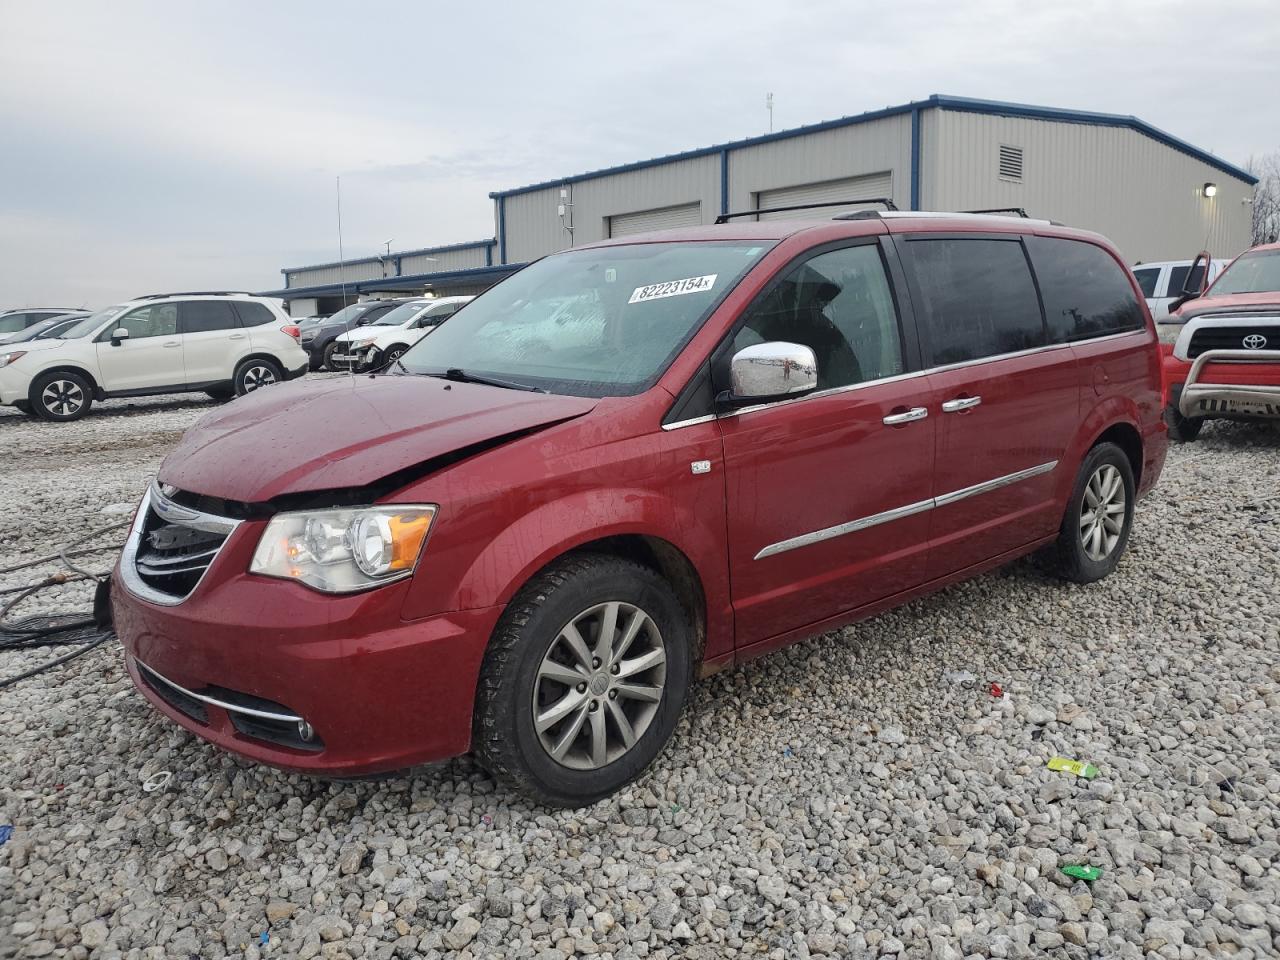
1255,341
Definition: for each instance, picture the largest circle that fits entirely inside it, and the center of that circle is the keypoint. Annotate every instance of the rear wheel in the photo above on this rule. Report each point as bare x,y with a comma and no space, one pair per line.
60,396
1095,529
220,393
583,681
255,374
329,351
1182,429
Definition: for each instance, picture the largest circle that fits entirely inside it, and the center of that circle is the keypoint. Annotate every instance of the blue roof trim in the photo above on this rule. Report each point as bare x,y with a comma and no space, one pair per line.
496,272
942,102
709,151
1004,109
469,245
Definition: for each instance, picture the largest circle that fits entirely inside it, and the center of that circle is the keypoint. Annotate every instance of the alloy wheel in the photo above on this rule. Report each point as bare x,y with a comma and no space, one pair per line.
62,397
1103,512
599,685
257,376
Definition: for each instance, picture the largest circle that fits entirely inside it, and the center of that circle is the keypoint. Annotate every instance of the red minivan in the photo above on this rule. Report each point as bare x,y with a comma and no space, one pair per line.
630,464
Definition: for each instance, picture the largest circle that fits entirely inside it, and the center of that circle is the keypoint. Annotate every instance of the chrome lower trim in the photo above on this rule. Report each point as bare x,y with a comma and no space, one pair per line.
1193,391
215,702
988,485
170,512
899,513
817,536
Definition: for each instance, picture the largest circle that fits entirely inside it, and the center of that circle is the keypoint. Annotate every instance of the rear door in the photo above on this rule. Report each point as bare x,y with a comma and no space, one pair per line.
150,358
212,340
827,501
1008,398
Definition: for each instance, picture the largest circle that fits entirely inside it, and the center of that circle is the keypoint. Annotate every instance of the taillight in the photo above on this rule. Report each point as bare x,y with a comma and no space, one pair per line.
293,330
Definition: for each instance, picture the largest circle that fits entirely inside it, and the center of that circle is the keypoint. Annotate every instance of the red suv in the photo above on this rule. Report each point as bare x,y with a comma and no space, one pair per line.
630,464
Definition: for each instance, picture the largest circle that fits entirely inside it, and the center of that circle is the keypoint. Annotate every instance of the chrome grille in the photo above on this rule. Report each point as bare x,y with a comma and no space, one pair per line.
170,548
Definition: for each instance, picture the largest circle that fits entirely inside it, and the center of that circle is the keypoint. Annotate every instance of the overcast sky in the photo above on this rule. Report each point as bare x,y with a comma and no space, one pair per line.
148,147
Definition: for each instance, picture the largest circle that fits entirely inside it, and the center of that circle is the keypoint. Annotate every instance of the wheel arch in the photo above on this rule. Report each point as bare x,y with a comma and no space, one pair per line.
258,355
64,367
1125,436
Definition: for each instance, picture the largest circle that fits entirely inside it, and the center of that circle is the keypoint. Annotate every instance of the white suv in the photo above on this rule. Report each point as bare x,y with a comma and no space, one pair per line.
222,344
385,339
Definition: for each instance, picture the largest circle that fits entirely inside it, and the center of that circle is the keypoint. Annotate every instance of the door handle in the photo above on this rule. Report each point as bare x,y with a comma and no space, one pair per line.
960,403
172,343
897,419
236,336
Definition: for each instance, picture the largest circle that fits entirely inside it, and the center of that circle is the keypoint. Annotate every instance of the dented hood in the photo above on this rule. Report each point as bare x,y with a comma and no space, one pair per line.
347,432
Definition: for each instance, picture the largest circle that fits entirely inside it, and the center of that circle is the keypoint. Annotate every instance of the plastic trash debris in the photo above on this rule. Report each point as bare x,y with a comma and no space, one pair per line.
958,676
1082,871
264,937
5,833
786,752
997,691
487,819
1078,767
157,781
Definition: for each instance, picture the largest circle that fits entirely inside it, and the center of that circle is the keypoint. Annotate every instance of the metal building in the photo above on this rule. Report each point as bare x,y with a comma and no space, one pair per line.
1155,196
1141,187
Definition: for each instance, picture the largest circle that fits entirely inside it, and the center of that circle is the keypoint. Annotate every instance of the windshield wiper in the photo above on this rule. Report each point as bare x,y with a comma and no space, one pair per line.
462,376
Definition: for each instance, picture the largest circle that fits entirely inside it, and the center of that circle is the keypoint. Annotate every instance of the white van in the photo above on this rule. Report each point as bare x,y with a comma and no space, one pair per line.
1162,282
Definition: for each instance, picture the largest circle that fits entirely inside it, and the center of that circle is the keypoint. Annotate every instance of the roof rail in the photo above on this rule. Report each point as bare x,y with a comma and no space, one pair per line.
1018,210
196,293
888,205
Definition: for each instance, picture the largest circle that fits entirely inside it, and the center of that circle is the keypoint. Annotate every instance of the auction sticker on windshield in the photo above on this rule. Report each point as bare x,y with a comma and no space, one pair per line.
673,288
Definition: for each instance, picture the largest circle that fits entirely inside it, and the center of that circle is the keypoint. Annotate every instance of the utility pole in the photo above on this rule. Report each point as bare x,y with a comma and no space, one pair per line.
768,105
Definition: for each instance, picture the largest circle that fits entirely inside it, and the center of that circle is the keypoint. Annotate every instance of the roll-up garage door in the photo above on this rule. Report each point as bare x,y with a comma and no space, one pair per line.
851,188
664,218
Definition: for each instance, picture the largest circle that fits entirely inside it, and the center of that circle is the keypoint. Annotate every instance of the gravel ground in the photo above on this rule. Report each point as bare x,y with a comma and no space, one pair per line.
859,794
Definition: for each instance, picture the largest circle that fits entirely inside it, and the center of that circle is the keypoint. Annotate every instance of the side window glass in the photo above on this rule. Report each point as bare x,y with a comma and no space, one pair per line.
156,320
838,304
203,316
1086,293
1147,280
13,322
978,298
253,314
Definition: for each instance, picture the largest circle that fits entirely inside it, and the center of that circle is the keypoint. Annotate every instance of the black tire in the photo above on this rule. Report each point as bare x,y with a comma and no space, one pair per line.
1182,429
392,354
1074,556
504,737
329,350
220,393
255,373
60,396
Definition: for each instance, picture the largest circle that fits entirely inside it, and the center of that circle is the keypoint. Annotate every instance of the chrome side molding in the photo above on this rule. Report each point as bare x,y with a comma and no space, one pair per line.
899,513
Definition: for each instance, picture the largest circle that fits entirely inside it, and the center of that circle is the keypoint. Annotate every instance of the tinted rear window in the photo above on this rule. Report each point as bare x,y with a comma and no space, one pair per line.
254,314
202,316
977,298
1086,293
1147,280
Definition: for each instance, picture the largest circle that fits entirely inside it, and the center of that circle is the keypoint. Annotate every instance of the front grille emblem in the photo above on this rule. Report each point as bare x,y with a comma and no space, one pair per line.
1254,341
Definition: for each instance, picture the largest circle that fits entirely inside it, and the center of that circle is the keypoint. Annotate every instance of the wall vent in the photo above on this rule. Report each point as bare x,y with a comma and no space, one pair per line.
1010,163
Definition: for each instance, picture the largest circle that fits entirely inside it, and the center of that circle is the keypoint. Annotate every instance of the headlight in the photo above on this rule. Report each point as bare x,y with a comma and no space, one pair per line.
361,344
341,551
8,358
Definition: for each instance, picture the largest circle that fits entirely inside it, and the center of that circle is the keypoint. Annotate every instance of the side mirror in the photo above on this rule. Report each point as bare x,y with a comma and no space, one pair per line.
118,336
770,371
1195,284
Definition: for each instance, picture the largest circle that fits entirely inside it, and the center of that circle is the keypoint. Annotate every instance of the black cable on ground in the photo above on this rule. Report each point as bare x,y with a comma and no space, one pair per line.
57,629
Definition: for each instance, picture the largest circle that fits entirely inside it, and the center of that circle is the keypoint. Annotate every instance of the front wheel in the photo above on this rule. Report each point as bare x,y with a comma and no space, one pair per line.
583,681
60,396
393,353
1182,429
256,374
1095,529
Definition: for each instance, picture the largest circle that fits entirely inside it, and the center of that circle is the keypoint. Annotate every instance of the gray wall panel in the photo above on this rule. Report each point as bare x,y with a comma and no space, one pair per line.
1141,194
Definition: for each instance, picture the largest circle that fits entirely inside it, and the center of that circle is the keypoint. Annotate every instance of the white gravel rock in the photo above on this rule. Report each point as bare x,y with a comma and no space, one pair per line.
844,797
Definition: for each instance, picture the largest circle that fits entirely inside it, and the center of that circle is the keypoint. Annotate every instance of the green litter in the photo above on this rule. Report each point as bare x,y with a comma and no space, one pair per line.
1083,872
1078,767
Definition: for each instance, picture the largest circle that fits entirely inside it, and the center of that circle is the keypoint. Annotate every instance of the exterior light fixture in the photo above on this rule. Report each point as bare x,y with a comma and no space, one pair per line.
1210,189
